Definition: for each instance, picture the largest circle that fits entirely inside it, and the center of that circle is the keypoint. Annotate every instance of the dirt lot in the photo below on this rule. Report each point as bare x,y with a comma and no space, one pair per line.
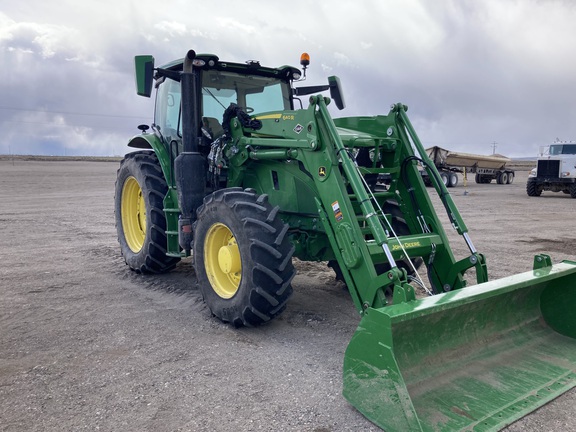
85,344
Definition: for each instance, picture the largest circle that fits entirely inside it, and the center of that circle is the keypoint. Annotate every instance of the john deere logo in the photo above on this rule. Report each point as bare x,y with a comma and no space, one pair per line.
322,171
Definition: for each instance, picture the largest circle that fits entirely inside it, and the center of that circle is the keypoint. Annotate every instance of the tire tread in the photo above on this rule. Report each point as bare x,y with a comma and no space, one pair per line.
152,258
265,286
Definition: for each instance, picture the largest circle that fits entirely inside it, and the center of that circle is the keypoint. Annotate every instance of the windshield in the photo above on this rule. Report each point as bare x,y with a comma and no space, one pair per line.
255,94
558,149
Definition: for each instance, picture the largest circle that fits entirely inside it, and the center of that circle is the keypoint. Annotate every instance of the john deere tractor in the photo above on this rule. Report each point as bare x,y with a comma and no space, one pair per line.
244,168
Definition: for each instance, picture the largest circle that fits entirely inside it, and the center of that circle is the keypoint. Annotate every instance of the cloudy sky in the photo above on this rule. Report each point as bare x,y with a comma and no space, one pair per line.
473,72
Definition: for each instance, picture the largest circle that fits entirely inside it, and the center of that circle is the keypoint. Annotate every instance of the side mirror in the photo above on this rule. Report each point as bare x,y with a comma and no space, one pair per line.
144,69
336,92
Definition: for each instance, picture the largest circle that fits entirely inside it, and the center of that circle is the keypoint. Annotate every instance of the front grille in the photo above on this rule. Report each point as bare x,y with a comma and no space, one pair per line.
548,168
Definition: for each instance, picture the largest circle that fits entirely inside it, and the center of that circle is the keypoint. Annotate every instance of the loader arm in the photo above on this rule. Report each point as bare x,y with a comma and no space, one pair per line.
427,239
350,213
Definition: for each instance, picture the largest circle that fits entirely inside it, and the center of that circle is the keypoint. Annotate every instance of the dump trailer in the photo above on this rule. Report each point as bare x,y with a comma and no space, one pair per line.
244,168
485,168
555,170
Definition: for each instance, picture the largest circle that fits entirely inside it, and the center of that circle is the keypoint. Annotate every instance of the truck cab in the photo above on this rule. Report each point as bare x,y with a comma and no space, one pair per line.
555,170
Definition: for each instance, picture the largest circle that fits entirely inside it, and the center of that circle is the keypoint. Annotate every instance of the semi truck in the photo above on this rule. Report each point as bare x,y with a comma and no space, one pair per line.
555,170
485,168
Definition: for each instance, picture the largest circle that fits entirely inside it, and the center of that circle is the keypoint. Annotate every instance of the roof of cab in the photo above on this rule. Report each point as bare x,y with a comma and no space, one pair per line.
252,67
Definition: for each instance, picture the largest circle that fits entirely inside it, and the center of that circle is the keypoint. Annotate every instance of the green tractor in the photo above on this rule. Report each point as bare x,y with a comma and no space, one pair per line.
244,170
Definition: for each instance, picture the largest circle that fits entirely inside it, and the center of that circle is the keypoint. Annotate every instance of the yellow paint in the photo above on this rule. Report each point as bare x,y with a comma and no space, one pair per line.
406,245
222,260
133,211
269,116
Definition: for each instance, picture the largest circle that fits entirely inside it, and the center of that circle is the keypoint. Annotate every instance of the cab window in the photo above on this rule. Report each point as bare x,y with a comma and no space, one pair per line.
254,94
167,113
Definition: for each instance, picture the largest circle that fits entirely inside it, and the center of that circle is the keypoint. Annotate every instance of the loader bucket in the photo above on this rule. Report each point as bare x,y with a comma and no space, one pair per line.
477,359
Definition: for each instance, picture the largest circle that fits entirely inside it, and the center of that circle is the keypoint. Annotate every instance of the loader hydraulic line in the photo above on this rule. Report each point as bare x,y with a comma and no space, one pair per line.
443,193
357,187
453,214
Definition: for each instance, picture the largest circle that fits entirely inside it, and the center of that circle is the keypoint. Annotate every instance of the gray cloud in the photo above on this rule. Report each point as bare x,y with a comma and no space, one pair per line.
471,72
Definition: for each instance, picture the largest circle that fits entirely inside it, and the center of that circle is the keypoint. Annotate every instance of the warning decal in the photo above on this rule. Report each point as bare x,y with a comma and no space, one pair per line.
337,213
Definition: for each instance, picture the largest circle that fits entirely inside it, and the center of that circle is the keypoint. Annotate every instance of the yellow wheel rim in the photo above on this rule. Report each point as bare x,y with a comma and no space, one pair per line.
222,260
133,215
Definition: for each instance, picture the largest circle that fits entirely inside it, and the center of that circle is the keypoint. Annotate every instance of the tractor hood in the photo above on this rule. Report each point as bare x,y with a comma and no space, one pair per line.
295,124
354,138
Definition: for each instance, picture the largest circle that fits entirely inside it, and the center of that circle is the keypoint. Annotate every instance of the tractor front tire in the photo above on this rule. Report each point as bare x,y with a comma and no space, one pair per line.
242,257
139,212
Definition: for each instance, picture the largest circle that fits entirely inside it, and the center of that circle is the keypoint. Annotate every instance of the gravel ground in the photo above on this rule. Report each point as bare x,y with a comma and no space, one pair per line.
86,344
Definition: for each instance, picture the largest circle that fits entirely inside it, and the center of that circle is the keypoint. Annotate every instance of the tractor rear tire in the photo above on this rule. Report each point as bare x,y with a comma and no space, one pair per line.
139,211
242,257
573,190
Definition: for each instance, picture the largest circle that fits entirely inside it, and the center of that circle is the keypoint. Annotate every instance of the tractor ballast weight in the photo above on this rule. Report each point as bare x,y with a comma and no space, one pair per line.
274,181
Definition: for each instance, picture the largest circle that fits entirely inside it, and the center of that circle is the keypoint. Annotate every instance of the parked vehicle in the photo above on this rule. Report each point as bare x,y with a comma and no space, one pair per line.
555,170
485,168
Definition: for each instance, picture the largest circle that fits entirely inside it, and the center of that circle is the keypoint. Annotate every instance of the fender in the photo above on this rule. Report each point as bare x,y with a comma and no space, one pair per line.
152,141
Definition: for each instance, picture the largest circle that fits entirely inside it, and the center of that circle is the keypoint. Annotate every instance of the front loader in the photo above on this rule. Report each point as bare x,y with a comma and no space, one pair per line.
238,173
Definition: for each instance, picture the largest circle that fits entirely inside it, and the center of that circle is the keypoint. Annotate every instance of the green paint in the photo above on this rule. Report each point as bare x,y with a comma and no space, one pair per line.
469,358
473,359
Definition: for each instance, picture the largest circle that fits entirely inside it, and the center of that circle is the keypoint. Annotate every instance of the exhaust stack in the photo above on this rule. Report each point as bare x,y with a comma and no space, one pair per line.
189,166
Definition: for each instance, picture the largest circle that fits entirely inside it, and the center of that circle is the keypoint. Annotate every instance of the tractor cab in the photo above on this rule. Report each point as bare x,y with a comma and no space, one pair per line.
251,87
